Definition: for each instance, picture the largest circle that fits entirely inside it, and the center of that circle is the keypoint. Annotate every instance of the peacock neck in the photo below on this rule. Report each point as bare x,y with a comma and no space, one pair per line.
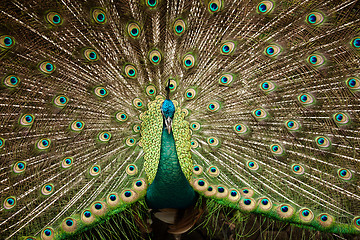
170,188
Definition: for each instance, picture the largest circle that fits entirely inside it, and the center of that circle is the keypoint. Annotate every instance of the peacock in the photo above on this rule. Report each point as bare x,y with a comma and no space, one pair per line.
195,114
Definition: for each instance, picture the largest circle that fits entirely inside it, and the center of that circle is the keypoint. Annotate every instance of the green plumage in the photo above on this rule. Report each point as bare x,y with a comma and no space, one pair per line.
265,125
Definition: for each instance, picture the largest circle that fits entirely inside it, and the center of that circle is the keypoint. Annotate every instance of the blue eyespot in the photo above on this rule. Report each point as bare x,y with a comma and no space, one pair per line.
221,189
98,206
139,183
69,222
324,218
151,3
356,42
262,8
305,213
251,164
127,194
131,168
47,232
112,197
264,202
312,18
87,214
245,191
247,201
210,189
10,201
201,183
179,28
214,7
284,209
188,62
7,41
233,193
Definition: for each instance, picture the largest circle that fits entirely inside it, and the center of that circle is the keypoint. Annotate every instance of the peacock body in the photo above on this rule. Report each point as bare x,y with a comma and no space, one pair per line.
112,107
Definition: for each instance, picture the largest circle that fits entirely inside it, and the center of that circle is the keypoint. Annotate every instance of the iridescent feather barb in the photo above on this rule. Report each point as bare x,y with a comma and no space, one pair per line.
187,107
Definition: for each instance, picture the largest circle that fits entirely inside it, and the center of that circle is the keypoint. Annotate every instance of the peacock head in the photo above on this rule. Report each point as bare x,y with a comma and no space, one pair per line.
168,110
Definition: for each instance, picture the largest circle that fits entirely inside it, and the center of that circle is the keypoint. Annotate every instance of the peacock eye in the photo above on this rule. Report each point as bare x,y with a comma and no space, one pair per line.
214,6
292,125
227,48
188,61
101,92
19,167
151,3
2,142
344,173
60,101
353,84
11,81
213,106
179,27
91,55
276,149
272,50
130,71
190,94
297,169
77,126
99,16
95,170
133,30
306,99
27,120
47,67
54,18
316,60
67,162
138,103
264,7
213,141
240,128
252,165
195,126
322,142
155,57
130,141
226,79
131,169
47,189
6,41
121,116
43,144
267,86
314,18
341,118
260,114
356,43
9,202
104,137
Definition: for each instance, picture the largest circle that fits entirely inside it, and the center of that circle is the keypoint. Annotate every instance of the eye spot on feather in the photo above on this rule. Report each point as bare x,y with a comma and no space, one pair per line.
213,141
47,189
356,223
356,43
11,81
292,125
87,217
91,55
139,185
67,162
101,92
194,144
128,196
226,79
98,208
69,225
234,195
9,202
213,171
130,141
77,126
54,18
47,234
179,27
197,170
264,7
325,220
130,71
138,103
2,142
151,3
134,30
353,84
121,116
264,204
247,204
190,94
314,18
188,61
222,192
6,41
344,174
272,50
195,126
99,16
19,167
306,215
252,165
306,99
61,101
95,170
200,184
227,48
131,169
285,211
113,199
43,144
322,142
241,128
155,57
297,169
27,120
213,106
214,6
316,60
151,90
247,192
47,67
104,137
260,114
267,86
276,149
341,118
